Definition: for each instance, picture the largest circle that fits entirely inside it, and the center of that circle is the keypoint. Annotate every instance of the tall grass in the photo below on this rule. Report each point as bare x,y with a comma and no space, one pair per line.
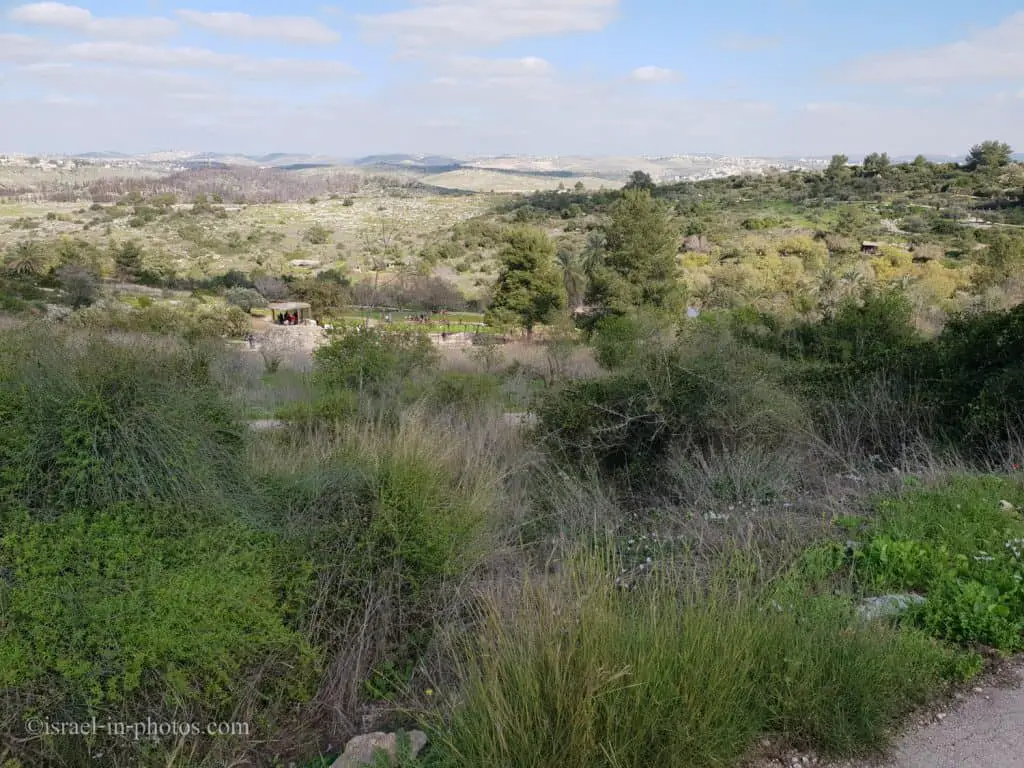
397,520
577,673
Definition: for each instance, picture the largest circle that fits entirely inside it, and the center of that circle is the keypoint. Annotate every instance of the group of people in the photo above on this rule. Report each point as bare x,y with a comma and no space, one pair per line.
288,318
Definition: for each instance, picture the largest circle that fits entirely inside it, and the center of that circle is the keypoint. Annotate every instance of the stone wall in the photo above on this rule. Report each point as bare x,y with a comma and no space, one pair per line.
290,343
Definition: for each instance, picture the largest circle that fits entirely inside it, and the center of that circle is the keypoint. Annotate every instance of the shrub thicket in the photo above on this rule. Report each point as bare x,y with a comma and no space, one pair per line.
701,392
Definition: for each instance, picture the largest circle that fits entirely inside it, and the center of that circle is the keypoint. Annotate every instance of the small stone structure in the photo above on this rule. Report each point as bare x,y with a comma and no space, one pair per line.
291,345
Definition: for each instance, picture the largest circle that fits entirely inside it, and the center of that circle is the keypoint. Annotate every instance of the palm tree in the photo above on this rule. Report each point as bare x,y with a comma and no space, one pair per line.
829,291
27,259
574,274
593,253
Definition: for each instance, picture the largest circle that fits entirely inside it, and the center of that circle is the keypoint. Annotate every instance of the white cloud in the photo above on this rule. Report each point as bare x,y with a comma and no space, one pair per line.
20,48
112,82
134,54
289,29
61,16
556,115
482,67
995,53
487,22
653,75
831,107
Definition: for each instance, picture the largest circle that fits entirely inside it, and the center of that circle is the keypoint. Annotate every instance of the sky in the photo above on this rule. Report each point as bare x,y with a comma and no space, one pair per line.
484,77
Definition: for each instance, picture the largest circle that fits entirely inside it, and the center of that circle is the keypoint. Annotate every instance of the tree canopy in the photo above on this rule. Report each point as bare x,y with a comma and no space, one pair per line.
877,163
989,154
640,180
530,286
638,268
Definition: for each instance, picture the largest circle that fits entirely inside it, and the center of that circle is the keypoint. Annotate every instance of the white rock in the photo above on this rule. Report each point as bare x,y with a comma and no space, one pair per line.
887,605
360,750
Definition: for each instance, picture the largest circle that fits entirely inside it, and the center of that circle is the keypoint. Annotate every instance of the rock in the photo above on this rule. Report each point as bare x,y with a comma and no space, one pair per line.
308,263
697,244
887,605
57,312
360,750
261,425
524,419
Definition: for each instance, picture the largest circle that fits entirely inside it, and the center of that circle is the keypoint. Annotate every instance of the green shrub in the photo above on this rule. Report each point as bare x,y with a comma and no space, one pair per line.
90,422
869,367
618,338
390,518
418,523
193,324
371,361
131,579
464,391
337,405
318,235
765,222
393,502
976,371
864,332
701,392
245,299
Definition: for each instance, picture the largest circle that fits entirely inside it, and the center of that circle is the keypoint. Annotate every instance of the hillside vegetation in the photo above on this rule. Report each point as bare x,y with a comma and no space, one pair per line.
714,481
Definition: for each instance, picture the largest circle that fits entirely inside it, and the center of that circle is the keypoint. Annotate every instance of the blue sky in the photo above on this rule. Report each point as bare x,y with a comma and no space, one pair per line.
471,77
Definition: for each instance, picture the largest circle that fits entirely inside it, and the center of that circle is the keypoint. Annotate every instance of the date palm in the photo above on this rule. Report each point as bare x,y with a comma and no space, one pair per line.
27,259
573,274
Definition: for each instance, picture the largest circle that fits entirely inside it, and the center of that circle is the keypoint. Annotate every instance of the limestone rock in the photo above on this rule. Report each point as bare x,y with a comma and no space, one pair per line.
887,605
359,752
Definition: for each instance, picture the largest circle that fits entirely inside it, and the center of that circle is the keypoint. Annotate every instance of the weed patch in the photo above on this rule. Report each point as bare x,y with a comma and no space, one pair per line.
960,546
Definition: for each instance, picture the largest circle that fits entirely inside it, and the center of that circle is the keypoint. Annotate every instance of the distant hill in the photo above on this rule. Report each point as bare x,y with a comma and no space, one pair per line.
103,155
409,161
